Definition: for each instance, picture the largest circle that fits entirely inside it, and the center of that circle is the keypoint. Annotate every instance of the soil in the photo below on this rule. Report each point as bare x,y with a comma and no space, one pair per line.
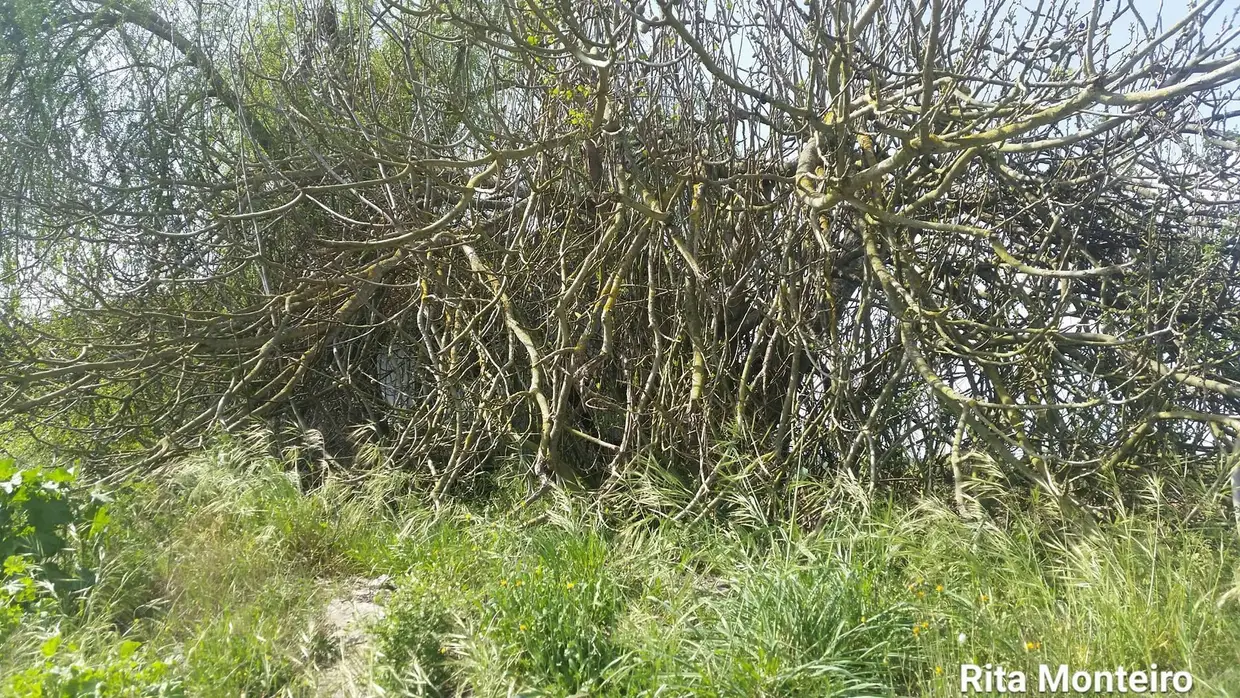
346,622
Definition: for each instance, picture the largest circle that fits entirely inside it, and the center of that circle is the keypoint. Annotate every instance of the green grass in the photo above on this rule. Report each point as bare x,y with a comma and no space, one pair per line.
211,584
214,576
865,606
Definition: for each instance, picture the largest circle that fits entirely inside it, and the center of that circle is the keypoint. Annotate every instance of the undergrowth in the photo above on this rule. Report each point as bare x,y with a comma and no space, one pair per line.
210,578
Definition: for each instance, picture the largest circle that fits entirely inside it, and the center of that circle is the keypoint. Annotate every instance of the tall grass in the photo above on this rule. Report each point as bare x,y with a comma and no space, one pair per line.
883,601
215,574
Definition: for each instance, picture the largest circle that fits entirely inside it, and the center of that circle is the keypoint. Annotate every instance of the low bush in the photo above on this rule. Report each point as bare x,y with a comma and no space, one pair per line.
50,529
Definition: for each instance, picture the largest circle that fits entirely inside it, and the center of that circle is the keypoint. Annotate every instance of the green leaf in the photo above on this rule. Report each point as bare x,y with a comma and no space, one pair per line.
128,648
15,565
99,522
49,646
60,475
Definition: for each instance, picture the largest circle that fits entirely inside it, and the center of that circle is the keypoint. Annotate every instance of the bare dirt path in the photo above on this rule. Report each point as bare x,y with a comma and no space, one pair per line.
347,619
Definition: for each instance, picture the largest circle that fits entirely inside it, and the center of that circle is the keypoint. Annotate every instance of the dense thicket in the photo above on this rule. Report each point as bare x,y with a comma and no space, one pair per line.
769,237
